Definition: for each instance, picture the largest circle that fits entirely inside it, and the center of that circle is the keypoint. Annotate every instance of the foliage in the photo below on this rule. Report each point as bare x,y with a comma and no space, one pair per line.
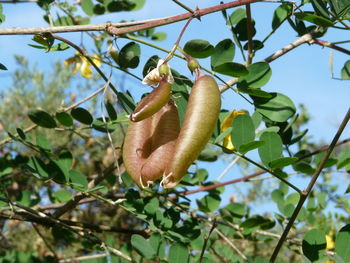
61,168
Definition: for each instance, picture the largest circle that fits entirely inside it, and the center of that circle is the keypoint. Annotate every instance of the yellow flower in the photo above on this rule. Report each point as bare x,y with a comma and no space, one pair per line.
80,63
330,241
227,123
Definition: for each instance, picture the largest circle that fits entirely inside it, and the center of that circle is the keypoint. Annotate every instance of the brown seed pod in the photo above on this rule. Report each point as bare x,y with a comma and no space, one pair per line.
153,102
149,145
199,122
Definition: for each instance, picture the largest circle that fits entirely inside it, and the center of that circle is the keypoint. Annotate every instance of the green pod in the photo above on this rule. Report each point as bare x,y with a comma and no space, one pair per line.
199,122
149,145
153,102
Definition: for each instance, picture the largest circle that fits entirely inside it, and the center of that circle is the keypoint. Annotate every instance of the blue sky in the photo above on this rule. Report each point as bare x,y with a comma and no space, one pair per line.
302,74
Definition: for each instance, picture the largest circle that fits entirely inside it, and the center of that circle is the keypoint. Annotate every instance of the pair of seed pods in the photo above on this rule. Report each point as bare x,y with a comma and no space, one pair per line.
155,146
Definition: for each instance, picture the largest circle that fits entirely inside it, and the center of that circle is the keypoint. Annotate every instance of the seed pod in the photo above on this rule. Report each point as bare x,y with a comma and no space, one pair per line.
199,122
149,145
153,102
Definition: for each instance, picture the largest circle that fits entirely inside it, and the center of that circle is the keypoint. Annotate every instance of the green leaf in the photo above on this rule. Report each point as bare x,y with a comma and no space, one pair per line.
314,244
282,162
58,172
63,21
243,130
257,44
208,155
236,210
281,13
78,180
199,48
112,113
236,16
2,67
152,206
82,115
59,47
64,118
142,246
87,6
126,101
21,133
209,203
129,55
159,36
66,159
254,92
231,69
181,99
43,143
258,75
38,168
241,29
224,51
345,71
223,135
342,243
343,159
278,108
320,8
317,20
178,253
99,9
62,195
138,4
42,118
2,16
244,148
102,126
271,149
150,64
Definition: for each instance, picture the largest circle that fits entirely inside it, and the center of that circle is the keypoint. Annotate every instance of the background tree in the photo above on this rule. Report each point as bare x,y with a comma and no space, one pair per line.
65,196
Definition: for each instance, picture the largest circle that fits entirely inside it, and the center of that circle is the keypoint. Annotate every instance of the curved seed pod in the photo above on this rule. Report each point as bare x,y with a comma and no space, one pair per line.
199,122
153,102
166,126
137,147
149,145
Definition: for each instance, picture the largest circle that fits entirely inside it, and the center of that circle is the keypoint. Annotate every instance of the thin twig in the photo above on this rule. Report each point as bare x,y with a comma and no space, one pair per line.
44,240
270,172
78,259
206,240
184,6
330,45
230,243
308,189
121,31
92,238
228,168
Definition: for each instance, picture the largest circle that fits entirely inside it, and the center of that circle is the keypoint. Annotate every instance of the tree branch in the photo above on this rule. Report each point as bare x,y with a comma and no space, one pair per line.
308,189
76,199
330,45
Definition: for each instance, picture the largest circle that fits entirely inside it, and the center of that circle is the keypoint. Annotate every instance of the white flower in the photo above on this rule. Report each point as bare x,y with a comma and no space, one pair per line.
154,77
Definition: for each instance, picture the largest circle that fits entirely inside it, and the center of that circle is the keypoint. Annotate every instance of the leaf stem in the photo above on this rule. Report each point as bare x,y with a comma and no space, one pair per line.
269,171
